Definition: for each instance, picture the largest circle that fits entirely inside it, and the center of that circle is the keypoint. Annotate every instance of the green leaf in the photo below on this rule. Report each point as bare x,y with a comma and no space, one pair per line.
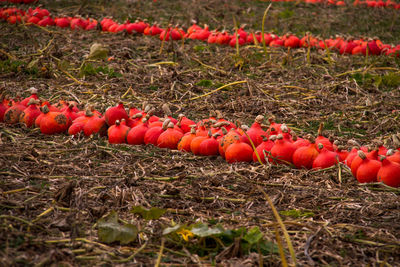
110,230
98,51
297,213
205,83
253,235
202,230
171,229
33,63
148,214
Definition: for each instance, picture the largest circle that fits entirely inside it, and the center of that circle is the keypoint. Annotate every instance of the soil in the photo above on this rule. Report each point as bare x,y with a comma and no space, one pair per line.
54,189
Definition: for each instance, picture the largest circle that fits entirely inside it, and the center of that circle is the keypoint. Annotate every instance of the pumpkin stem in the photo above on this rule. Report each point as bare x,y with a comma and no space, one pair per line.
259,119
45,109
166,109
361,154
320,129
224,130
32,101
165,124
320,146
273,138
33,90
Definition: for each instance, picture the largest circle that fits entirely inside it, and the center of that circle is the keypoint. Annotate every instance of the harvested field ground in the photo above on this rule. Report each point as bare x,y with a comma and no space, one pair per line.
54,189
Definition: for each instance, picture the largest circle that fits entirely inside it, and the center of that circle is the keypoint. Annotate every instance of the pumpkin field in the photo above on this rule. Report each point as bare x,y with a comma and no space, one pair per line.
199,133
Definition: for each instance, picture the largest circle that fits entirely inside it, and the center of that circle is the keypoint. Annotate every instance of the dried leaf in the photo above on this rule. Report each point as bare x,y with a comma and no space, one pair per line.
98,51
110,230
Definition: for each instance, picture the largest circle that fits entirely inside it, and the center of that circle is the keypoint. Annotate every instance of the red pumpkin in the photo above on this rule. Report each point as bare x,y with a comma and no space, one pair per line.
117,133
29,115
255,132
264,147
304,156
115,113
184,123
209,146
389,173
33,95
282,151
52,122
368,170
169,138
137,133
393,155
323,140
152,134
3,108
184,143
325,158
95,125
195,144
12,114
239,152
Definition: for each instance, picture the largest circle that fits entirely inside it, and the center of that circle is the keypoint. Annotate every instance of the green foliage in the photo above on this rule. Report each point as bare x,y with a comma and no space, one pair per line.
389,80
285,14
205,83
110,230
17,66
153,213
206,240
297,213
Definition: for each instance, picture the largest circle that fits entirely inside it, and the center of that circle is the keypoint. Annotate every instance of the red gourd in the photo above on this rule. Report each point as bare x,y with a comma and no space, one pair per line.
133,111
304,156
223,122
11,115
255,132
29,115
50,106
137,133
115,113
70,113
52,122
95,125
209,147
239,152
195,144
184,123
33,95
393,155
76,128
153,133
300,142
325,158
169,138
3,108
342,153
117,133
227,140
368,170
212,117
351,156
266,146
202,130
389,173
282,151
274,128
322,139
184,143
